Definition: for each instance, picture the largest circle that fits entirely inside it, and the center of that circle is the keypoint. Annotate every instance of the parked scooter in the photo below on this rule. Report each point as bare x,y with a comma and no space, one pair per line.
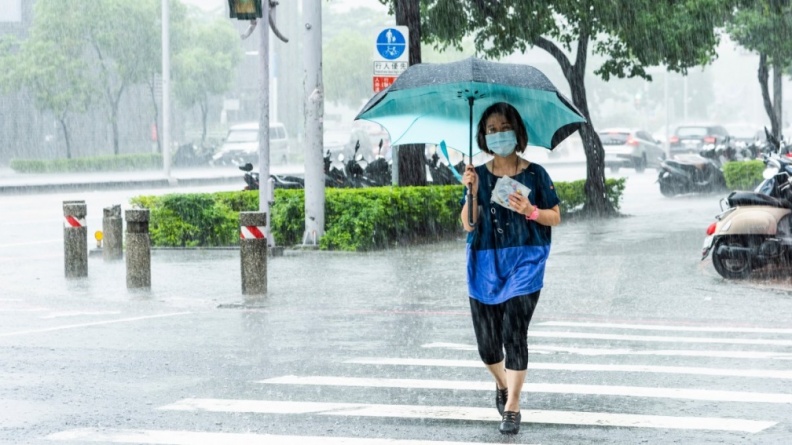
441,173
355,170
754,229
379,171
693,173
281,182
334,172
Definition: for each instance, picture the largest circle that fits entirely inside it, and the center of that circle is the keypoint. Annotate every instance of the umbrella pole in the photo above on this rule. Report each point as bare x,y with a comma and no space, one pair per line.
469,198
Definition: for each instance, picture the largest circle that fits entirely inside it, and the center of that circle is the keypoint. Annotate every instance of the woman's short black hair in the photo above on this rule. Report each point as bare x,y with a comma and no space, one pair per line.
512,116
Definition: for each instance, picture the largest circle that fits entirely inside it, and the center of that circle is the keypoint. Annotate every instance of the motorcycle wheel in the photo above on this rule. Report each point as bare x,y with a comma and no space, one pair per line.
668,190
640,164
733,268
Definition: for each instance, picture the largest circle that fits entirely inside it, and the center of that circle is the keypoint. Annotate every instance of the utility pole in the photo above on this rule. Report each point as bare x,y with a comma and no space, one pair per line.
263,133
166,113
314,114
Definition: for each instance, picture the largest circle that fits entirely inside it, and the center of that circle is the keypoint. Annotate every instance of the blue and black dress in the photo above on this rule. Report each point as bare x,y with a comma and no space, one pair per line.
506,263
506,253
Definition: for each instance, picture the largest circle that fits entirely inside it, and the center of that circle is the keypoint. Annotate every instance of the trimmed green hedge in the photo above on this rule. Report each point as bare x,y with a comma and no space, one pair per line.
355,219
743,175
123,162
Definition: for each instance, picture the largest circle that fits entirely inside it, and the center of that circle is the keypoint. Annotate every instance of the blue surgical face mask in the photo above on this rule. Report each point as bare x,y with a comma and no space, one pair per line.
503,143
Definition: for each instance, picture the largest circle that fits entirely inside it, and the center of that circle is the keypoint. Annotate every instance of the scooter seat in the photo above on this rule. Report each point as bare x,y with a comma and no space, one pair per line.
692,160
753,199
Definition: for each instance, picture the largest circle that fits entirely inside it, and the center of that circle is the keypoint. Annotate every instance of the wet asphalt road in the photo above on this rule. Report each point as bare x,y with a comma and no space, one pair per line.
634,341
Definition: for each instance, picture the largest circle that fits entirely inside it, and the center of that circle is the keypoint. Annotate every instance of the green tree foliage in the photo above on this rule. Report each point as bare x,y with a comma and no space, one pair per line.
49,65
122,38
763,26
207,66
348,49
347,68
631,35
83,53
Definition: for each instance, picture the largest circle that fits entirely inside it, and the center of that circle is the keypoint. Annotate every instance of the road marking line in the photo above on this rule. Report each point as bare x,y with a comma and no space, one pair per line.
171,437
468,413
85,325
722,372
24,309
552,349
657,338
654,338
76,314
553,388
653,327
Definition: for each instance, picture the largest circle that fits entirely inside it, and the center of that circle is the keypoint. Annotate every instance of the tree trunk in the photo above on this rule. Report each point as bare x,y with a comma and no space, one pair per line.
65,129
156,114
778,100
764,76
412,164
597,203
204,113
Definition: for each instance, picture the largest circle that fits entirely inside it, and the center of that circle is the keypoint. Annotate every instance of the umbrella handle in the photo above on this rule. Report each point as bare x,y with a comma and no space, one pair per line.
470,152
469,200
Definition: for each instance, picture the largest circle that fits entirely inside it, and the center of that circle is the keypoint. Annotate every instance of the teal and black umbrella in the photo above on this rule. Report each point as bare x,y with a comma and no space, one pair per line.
439,103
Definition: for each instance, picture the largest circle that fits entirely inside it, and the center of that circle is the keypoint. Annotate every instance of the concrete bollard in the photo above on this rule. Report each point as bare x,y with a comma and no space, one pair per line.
112,229
75,239
138,251
253,252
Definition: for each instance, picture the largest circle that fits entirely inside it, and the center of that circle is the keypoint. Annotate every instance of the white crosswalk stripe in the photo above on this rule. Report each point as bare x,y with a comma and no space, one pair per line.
170,437
587,351
758,373
544,349
468,413
627,391
654,327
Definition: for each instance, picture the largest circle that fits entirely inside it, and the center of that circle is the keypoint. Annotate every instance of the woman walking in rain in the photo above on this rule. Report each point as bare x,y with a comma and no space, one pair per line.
506,253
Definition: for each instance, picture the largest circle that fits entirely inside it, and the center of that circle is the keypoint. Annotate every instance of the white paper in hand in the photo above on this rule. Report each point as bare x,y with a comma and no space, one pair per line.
504,187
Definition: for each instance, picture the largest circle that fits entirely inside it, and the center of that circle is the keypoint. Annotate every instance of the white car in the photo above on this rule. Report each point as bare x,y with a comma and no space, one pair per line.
241,145
632,148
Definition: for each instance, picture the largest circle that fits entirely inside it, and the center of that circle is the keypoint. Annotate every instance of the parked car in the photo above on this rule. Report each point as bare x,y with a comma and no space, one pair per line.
337,142
632,148
241,145
747,137
691,138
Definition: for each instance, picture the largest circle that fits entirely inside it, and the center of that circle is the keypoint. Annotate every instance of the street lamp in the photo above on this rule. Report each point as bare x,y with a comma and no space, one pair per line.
245,9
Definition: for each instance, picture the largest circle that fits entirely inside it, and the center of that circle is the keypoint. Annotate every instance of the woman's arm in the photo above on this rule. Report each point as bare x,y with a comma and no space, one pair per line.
549,217
523,206
470,180
465,216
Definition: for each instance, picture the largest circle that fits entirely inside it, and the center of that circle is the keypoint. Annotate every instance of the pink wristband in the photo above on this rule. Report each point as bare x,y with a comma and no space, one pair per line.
533,215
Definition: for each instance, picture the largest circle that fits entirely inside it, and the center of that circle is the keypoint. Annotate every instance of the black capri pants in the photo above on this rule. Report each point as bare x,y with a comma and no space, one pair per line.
504,326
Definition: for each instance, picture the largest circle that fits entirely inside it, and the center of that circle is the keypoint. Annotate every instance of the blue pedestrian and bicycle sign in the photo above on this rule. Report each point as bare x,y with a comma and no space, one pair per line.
391,44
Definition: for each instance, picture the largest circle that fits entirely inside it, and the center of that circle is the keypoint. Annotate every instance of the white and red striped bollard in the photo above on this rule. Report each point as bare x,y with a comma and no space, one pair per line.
75,239
253,252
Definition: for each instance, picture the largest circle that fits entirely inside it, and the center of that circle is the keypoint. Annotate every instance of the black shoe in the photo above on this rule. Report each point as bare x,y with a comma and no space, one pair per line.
501,395
510,423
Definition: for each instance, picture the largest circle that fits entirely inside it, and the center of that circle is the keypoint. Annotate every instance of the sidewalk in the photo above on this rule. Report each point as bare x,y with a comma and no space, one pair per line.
12,182
19,183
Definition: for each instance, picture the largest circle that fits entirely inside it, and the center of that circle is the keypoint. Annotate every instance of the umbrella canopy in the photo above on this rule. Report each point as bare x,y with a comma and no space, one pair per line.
431,103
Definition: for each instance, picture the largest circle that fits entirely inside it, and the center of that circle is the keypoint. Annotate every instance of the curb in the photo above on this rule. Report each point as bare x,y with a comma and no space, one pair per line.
117,185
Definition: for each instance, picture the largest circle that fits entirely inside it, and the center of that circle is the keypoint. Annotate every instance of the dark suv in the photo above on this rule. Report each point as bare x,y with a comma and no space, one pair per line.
692,138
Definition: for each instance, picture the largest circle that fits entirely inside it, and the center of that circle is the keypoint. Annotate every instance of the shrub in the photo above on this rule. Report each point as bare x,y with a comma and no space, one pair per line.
743,175
144,161
573,194
355,219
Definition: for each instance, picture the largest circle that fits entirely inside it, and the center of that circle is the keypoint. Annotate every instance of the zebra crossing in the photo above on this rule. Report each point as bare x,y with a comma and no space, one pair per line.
602,364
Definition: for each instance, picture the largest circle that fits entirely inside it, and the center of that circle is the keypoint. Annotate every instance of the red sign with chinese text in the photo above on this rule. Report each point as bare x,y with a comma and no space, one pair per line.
382,82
